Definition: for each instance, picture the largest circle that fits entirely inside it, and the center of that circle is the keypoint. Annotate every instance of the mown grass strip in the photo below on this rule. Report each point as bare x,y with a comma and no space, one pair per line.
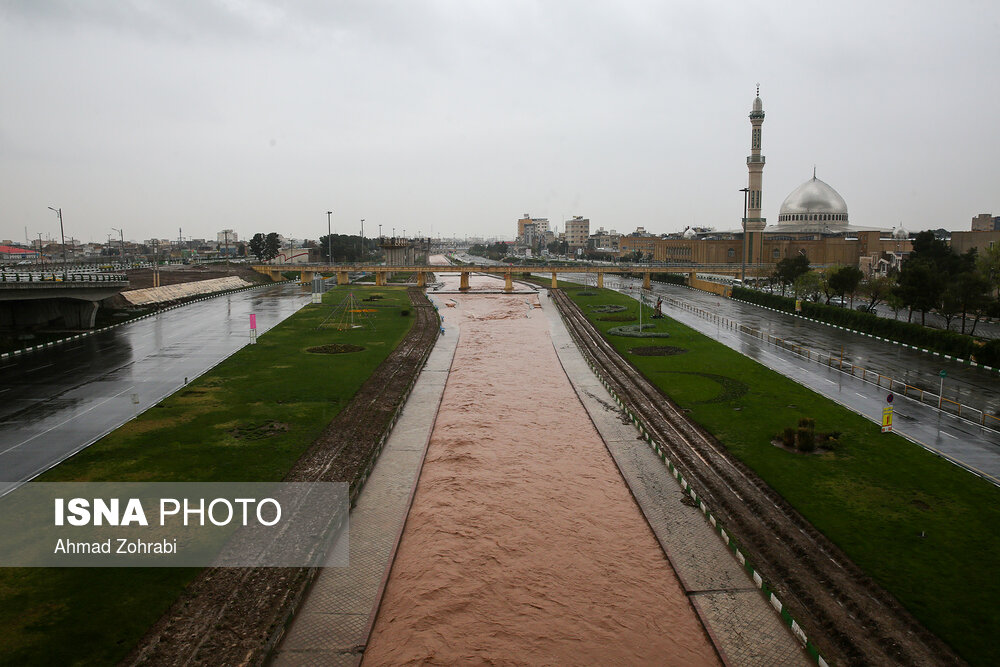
923,528
249,419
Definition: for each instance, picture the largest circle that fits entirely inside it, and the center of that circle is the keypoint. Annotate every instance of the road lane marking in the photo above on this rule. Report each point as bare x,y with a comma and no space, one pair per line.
38,368
830,381
96,405
953,437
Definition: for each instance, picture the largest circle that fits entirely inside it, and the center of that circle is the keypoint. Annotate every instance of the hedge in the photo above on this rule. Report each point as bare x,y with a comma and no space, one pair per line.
937,340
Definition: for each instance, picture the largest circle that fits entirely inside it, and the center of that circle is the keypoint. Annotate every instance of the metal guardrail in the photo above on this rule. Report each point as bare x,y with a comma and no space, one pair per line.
8,277
966,412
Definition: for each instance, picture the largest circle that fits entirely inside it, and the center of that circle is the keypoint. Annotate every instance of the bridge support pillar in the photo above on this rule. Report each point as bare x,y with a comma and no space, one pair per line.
380,278
306,277
78,314
421,279
692,277
276,275
343,278
463,281
555,283
645,280
600,279
508,282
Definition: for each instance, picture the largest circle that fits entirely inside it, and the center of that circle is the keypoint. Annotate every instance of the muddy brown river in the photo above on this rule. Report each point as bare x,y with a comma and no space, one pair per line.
524,545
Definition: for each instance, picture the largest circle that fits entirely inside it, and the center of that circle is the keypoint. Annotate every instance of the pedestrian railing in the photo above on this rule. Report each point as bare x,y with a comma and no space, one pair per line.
965,412
37,277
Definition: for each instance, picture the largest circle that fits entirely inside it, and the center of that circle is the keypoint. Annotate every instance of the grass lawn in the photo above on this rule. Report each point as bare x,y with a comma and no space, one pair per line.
873,495
220,428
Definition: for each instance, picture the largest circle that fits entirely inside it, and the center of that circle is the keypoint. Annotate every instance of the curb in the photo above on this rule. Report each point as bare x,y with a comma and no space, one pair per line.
969,362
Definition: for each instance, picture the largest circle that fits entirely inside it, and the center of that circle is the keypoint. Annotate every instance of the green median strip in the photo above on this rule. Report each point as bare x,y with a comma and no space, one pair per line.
925,529
247,420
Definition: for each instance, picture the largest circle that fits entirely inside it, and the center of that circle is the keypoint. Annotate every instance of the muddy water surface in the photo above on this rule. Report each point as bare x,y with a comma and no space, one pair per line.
524,545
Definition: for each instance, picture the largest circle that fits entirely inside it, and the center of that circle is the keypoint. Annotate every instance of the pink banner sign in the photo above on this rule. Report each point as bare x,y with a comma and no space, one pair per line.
253,320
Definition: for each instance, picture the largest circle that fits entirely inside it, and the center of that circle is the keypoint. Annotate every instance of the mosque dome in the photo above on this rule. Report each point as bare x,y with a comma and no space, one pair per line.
900,232
813,202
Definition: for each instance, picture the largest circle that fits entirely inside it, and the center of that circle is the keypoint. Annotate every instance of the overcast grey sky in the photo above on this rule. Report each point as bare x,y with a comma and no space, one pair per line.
456,117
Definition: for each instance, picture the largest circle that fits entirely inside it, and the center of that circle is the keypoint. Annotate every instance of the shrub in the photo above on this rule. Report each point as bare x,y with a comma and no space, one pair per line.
805,437
989,354
944,342
788,437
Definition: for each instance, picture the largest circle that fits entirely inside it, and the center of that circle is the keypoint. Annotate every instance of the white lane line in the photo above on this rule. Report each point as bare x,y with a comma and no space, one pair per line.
953,437
858,393
830,381
38,368
37,435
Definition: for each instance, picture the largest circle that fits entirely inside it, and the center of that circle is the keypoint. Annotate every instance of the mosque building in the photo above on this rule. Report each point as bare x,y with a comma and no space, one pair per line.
812,221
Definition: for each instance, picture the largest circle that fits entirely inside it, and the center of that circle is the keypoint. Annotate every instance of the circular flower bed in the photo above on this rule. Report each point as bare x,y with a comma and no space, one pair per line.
636,331
334,348
657,351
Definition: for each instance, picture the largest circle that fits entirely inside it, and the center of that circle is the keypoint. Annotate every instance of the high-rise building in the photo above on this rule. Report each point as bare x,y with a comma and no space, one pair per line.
577,232
753,223
541,226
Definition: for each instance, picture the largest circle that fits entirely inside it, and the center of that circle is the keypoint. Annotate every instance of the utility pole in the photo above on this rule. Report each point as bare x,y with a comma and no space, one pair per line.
41,257
362,252
743,269
62,235
329,238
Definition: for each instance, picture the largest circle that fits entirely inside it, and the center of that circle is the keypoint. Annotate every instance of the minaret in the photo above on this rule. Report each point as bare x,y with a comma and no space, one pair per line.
753,224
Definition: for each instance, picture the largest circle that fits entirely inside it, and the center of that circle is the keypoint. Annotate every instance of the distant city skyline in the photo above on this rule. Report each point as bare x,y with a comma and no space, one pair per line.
455,119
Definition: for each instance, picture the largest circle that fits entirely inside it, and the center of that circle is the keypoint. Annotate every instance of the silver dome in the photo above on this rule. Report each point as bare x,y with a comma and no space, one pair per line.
814,201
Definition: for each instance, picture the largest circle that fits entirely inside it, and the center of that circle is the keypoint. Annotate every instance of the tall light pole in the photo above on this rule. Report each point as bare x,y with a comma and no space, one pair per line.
362,239
329,238
743,270
61,234
121,233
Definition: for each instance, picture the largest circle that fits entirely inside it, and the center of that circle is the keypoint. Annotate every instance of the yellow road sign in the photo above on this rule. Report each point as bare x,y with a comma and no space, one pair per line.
887,419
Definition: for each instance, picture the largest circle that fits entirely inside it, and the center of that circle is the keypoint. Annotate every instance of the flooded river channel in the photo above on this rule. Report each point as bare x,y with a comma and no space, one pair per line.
524,545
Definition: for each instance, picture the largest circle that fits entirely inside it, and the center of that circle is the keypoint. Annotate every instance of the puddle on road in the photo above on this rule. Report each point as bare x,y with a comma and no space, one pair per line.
524,545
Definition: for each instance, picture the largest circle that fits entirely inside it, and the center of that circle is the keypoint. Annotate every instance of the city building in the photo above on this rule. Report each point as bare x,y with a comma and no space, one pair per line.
986,222
812,221
577,232
541,226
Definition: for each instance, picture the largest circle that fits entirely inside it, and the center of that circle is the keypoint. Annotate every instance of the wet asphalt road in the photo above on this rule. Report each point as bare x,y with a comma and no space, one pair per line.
55,402
963,442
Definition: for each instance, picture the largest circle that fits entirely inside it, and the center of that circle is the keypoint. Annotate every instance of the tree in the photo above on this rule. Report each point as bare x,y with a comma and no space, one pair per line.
968,292
845,280
877,290
790,268
919,287
272,246
257,246
807,285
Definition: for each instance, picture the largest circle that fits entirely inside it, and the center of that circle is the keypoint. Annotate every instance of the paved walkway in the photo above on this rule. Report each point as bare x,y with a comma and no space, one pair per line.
332,626
743,626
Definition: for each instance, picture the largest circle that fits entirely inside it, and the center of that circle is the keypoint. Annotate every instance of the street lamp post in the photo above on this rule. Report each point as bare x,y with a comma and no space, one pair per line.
361,255
121,233
329,238
743,269
61,234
